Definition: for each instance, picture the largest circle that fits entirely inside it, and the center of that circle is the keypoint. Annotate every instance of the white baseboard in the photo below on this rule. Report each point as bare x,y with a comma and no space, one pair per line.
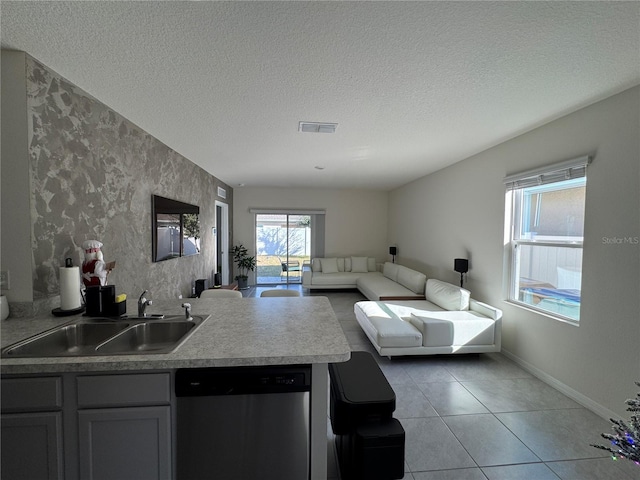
558,385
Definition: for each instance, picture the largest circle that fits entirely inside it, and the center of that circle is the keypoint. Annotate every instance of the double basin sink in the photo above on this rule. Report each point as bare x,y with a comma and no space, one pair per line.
105,336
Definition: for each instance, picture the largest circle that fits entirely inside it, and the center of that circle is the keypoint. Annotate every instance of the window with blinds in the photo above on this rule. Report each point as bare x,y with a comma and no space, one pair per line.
546,224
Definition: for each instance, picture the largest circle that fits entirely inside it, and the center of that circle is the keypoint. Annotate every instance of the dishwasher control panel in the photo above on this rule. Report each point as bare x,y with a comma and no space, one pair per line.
242,380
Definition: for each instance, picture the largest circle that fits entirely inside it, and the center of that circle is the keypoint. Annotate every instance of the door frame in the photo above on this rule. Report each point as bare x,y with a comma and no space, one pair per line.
222,256
286,257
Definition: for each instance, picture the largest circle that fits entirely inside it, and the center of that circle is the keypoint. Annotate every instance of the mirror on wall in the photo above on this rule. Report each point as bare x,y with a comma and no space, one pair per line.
175,229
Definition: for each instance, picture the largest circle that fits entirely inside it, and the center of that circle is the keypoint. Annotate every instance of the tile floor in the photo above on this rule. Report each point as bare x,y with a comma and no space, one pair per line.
471,417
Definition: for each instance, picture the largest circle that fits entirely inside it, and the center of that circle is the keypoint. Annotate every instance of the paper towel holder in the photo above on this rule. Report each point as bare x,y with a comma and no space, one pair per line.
59,312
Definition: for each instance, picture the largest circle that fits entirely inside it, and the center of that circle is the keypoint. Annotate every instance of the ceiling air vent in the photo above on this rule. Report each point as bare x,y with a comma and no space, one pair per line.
317,127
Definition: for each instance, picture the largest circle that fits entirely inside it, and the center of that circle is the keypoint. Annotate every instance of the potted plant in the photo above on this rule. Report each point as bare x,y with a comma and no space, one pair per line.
245,264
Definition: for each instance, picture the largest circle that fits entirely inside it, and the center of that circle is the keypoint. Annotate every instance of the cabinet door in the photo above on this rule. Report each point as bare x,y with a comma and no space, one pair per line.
125,443
32,446
33,394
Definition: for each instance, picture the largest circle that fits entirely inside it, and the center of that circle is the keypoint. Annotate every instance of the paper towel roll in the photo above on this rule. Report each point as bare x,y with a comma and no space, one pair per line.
69,288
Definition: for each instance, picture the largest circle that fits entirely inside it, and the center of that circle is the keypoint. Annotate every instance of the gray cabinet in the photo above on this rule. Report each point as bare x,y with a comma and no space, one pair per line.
124,426
75,426
125,443
32,445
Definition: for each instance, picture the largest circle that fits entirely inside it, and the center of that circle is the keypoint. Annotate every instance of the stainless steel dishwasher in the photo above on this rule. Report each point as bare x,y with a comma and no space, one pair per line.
243,423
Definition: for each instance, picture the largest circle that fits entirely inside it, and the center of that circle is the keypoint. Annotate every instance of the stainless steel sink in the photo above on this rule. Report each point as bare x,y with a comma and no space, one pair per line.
148,337
74,339
107,337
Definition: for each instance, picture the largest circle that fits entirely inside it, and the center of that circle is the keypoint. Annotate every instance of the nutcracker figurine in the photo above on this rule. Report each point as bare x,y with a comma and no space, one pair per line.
94,269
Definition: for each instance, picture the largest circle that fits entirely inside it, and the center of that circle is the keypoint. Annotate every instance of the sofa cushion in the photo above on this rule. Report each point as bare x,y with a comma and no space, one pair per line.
359,265
316,266
443,329
390,270
384,327
395,332
371,264
435,333
374,286
329,265
392,332
347,279
411,279
446,295
395,308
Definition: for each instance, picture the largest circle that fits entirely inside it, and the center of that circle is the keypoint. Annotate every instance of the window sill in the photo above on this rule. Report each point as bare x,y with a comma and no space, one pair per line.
544,313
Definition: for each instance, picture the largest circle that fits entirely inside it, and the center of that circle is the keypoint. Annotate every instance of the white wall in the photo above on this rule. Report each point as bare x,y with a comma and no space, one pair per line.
355,223
459,211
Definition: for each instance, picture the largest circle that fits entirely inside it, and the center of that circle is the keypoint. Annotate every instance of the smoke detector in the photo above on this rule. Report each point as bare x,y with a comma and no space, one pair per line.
317,127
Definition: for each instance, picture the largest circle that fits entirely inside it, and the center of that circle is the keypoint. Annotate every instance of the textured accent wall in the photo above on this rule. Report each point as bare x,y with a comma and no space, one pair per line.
93,173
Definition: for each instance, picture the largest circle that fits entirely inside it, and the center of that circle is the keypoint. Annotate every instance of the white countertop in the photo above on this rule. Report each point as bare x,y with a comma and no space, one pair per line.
239,332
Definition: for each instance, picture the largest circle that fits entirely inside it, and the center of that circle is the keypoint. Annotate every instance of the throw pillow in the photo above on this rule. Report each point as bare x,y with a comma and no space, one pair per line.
359,264
329,265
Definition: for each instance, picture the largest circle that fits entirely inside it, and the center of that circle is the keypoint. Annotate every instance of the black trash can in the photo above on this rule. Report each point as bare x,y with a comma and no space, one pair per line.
359,393
369,441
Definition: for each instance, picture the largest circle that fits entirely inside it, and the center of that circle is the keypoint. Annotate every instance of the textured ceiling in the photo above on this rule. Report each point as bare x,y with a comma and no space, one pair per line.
414,86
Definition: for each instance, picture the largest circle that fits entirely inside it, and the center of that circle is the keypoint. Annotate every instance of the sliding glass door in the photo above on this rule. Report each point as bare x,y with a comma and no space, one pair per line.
283,246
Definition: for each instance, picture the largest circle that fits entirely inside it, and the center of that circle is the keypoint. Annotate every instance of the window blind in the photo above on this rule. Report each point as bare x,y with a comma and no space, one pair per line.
286,211
556,172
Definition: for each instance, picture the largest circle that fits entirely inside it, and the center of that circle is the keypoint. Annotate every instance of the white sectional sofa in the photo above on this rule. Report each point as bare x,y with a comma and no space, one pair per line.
337,272
447,321
394,282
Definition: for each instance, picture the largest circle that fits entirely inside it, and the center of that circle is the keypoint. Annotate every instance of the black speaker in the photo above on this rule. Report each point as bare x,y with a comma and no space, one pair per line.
461,265
393,250
201,285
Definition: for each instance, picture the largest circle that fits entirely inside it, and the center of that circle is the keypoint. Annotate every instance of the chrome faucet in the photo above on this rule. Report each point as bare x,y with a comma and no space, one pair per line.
142,305
187,311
